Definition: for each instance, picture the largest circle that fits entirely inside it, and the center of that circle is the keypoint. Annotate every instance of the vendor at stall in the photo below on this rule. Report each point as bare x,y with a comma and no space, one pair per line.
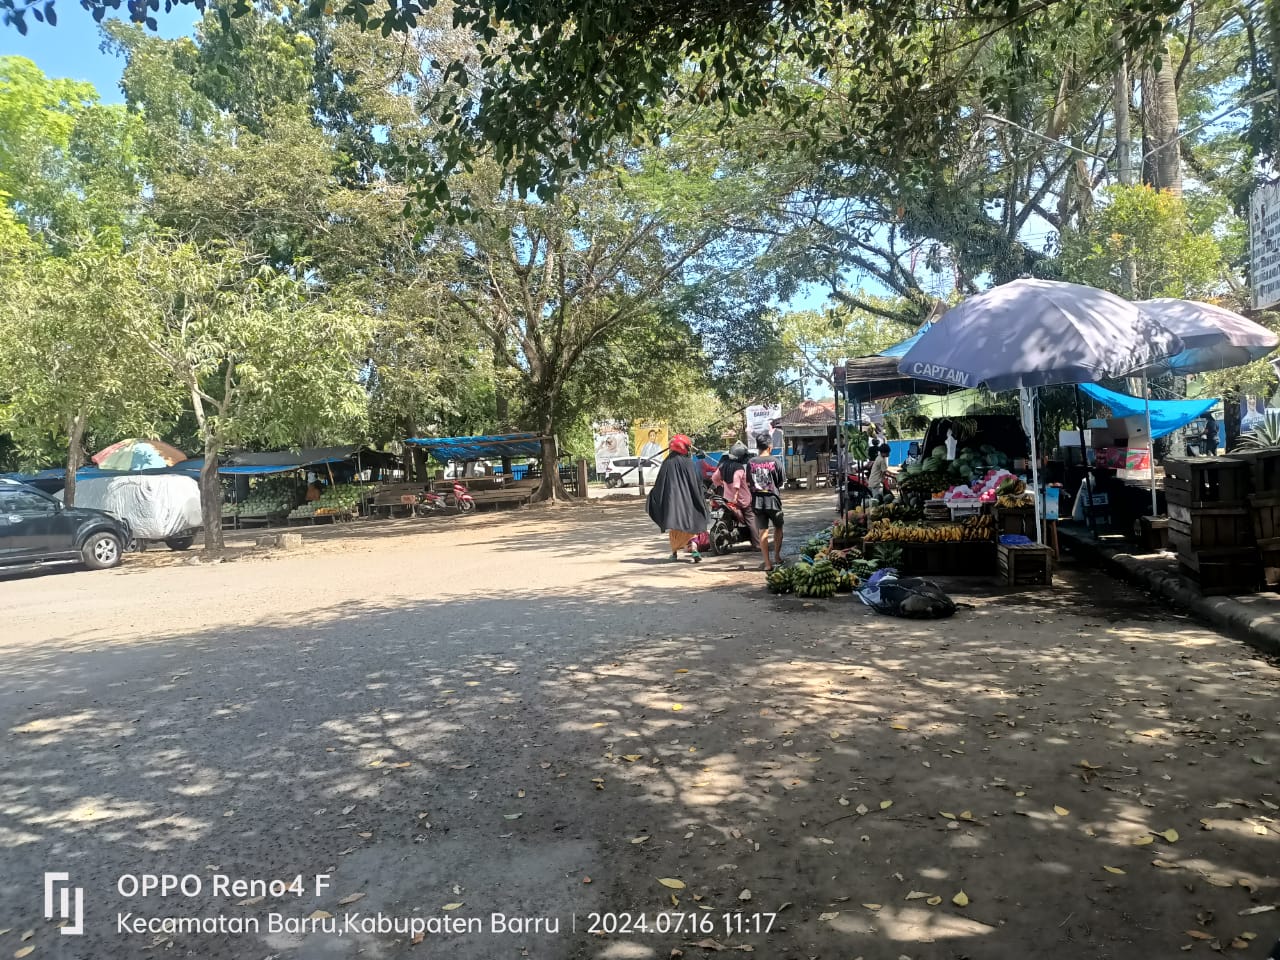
314,490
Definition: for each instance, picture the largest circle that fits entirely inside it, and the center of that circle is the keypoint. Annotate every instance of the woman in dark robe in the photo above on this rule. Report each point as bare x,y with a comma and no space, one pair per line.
676,503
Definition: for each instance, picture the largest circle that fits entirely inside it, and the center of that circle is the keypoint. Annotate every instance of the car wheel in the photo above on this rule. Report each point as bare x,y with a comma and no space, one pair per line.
180,543
101,551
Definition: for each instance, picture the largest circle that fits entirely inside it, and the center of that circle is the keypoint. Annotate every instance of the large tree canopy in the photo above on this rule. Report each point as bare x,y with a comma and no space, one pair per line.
557,82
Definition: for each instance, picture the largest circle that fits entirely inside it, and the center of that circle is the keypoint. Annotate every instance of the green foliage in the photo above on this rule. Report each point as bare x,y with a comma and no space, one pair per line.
1173,255
1265,436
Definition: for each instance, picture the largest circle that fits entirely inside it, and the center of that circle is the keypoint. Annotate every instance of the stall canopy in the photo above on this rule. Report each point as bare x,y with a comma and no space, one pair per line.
295,459
467,449
866,379
1166,415
900,349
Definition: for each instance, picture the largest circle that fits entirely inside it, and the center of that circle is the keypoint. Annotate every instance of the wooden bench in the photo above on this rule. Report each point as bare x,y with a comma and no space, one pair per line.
497,498
395,496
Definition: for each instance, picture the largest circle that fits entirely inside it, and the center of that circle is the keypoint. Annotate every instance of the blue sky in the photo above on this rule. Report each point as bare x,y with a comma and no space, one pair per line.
72,48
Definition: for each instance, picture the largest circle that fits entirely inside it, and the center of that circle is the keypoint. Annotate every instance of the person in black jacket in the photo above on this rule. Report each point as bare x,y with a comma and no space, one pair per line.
676,503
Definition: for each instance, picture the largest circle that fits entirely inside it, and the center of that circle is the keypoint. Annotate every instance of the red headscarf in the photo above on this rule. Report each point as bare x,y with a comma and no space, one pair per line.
680,444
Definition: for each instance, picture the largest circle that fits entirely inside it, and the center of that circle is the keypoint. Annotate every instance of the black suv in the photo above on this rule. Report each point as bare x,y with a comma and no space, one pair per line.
36,529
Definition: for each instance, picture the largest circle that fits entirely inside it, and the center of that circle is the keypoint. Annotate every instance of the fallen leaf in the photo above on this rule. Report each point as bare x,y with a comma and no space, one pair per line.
861,809
401,766
949,816
365,836
899,726
677,706
709,944
632,757
452,906
1252,911
1143,841
1239,943
520,794
586,879
345,901
27,936
251,902
1248,885
886,804
347,810
1199,935
671,882
1020,793
682,670
1170,835
744,895
1061,811
869,906
376,763
640,839
829,916
24,952
933,901
321,915
1087,765
417,938
916,895
1164,864
512,816
1115,870
966,815
843,801
961,899
600,724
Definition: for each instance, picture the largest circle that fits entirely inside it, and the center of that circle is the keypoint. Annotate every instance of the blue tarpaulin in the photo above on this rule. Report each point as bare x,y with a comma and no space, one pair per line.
466,449
900,349
1166,415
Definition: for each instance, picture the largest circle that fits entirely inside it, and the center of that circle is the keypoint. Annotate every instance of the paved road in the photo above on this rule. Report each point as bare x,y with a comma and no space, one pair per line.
534,715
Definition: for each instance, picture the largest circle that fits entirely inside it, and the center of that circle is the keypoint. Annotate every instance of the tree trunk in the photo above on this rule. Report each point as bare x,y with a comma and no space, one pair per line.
75,455
211,500
1162,160
503,406
1124,147
550,488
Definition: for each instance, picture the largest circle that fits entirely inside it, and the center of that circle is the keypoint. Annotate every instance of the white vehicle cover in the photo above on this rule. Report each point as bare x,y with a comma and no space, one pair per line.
156,507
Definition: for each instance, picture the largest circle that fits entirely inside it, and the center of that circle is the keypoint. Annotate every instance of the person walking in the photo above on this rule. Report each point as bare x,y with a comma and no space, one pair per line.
1210,436
810,452
731,477
766,477
676,503
878,479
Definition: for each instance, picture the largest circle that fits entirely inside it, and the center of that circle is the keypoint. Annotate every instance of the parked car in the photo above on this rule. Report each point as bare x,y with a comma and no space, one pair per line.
35,529
622,471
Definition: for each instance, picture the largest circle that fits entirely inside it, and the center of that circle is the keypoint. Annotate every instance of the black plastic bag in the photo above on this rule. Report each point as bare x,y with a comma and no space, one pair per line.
911,597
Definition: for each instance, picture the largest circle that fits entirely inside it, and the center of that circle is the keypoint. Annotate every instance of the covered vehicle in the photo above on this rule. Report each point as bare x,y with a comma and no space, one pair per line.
157,507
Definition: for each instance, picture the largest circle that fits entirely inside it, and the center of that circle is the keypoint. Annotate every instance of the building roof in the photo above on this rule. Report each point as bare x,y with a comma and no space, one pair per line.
810,413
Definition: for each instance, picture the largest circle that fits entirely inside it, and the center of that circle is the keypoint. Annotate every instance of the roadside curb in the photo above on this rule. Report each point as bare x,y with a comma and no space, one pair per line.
1258,629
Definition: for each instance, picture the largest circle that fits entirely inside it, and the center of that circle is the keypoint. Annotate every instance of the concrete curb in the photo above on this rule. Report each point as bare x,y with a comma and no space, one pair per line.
1258,628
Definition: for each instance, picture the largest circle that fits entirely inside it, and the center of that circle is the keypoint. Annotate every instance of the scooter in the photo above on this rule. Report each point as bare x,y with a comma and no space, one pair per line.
728,526
460,499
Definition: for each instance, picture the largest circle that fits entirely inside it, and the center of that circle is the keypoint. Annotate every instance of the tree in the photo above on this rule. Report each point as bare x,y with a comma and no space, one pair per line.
257,354
68,165
67,372
1173,253
816,341
559,81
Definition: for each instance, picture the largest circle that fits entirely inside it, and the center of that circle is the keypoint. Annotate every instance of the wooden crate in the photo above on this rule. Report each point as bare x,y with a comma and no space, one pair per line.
1155,533
1210,479
1223,572
1212,528
1264,465
1265,508
1016,521
1270,558
1025,565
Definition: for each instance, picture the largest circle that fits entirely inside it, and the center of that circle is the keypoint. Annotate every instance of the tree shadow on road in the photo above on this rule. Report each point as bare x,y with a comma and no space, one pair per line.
813,754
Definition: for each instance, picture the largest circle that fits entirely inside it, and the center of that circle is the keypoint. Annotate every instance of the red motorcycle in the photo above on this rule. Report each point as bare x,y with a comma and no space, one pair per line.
459,499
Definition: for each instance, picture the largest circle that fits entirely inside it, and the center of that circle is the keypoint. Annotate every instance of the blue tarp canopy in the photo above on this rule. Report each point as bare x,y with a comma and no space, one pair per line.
255,471
1166,415
466,449
900,349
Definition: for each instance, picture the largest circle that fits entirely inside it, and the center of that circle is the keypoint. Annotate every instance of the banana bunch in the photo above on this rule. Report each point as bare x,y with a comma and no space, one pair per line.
780,579
846,582
886,530
819,580
978,528
1010,502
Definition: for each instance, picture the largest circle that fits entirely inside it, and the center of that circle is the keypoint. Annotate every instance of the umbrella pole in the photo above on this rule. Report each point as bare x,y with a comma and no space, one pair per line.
1029,418
1084,462
1151,444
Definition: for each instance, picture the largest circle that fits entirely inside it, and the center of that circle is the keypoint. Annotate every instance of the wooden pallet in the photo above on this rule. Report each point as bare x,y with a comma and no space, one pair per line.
1208,479
1025,565
1264,466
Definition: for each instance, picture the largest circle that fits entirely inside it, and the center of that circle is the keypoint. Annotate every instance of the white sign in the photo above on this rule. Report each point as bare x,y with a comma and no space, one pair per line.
1264,245
758,419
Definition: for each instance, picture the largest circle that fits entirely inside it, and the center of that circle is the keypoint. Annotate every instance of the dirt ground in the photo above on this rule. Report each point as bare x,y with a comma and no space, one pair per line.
535,715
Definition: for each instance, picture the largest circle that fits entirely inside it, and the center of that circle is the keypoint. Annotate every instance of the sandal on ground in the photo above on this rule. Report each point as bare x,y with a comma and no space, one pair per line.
697,557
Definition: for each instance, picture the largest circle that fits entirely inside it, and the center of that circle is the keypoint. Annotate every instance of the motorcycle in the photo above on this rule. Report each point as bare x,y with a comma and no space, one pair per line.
461,499
728,526
458,500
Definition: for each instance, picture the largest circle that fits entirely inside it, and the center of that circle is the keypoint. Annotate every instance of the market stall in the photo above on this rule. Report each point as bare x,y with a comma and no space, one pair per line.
492,488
